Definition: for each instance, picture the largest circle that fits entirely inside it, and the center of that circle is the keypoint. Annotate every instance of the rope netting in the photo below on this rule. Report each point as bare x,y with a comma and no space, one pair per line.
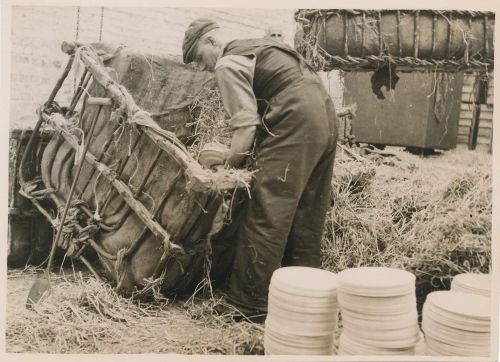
365,40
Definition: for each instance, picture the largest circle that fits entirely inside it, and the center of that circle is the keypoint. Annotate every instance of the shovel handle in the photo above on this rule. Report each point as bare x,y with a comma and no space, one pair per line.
71,192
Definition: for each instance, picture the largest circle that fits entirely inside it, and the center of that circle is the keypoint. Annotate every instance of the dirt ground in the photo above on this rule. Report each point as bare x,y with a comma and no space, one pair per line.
176,326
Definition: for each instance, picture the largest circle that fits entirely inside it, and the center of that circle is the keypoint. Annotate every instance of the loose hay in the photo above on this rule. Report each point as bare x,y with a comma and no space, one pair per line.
423,215
433,223
426,217
210,121
83,315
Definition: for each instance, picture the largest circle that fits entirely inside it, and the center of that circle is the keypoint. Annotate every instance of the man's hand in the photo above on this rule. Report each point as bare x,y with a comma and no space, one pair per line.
241,144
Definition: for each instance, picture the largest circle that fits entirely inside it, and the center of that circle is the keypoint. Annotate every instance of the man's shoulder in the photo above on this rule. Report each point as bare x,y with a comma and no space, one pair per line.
249,42
236,61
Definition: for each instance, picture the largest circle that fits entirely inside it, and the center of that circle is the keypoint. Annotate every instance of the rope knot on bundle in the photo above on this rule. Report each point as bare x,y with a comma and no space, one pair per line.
71,223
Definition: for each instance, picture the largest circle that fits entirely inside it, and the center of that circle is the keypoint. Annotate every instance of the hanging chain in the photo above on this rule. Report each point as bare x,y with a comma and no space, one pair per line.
102,23
77,23
77,34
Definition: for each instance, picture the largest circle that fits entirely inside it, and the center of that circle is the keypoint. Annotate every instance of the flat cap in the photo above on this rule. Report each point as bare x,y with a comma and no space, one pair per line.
195,30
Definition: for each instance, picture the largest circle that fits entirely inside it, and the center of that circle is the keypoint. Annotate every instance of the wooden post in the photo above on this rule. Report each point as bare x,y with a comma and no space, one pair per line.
474,126
480,94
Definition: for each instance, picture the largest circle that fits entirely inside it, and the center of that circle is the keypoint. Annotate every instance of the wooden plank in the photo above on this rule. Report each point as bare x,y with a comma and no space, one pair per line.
464,122
485,124
463,139
483,140
469,79
468,88
466,114
485,135
466,106
463,130
468,109
491,91
486,132
486,108
486,116
467,98
490,149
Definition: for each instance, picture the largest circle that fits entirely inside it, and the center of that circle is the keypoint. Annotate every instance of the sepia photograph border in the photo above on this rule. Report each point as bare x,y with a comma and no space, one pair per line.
5,18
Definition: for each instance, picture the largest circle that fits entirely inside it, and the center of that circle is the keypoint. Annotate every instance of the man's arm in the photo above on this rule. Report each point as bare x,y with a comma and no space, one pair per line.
234,75
241,143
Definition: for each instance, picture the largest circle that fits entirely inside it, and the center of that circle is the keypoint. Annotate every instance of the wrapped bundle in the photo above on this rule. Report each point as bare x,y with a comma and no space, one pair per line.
142,203
414,39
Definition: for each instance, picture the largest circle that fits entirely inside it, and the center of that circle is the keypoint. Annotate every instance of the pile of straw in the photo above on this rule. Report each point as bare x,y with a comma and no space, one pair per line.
82,315
425,216
433,223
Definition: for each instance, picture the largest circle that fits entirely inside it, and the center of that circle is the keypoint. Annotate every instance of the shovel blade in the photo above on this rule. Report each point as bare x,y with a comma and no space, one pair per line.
40,288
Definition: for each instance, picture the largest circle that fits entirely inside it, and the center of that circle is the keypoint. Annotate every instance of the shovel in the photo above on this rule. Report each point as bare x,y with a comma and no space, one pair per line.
42,287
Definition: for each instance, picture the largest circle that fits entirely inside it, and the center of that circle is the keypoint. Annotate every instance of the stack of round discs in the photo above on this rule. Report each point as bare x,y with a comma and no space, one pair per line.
379,312
457,324
472,283
302,312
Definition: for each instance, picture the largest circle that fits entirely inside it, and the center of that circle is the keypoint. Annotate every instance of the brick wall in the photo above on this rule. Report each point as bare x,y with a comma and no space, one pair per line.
37,32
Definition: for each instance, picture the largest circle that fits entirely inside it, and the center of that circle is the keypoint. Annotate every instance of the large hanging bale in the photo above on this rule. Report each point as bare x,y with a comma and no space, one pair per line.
142,202
414,39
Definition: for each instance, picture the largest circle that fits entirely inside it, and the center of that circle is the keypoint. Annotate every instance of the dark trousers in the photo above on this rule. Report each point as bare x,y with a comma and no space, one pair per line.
282,223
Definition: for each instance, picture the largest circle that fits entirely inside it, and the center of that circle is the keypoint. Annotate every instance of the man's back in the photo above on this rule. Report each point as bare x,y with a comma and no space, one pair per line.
277,66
